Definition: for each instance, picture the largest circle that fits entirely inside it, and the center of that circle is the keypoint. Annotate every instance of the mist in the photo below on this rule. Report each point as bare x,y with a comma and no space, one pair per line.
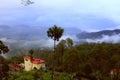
115,38
23,38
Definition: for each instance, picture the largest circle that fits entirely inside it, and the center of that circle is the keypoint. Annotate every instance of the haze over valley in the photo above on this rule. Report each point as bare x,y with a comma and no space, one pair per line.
25,37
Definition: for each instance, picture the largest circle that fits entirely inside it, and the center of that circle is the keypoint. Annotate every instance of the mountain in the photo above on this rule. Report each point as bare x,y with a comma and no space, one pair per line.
109,36
98,35
29,33
22,37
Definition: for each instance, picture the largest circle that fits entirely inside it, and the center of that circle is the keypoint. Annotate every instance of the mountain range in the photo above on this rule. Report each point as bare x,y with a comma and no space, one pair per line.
26,37
98,35
109,36
30,35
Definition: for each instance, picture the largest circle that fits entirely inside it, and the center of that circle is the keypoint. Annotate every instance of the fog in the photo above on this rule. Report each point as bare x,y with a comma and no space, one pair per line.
115,38
22,39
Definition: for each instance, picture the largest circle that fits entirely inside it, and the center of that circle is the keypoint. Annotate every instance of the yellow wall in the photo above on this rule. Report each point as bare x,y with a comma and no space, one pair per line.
28,64
38,66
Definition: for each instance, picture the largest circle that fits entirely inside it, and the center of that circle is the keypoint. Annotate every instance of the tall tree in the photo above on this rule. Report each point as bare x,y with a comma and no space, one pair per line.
69,42
55,33
60,48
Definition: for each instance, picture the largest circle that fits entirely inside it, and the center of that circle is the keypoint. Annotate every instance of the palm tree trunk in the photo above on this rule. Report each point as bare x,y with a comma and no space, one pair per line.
53,61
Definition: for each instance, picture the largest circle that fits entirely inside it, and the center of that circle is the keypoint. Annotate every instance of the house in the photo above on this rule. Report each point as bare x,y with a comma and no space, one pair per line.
33,63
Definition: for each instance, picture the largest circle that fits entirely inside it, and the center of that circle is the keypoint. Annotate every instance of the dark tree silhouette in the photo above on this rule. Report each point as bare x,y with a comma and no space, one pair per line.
31,53
3,48
55,33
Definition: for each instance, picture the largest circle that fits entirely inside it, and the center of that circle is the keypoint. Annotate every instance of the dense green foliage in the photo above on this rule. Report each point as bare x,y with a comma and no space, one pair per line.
3,48
55,32
94,60
88,60
37,75
3,63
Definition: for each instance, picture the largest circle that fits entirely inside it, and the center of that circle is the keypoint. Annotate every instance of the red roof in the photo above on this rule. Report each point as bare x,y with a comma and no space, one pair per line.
35,60
27,57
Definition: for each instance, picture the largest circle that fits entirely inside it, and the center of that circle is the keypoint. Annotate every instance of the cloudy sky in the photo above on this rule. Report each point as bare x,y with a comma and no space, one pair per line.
88,15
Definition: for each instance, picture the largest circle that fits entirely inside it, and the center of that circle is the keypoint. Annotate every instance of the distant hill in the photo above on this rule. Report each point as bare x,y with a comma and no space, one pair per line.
98,35
22,37
24,32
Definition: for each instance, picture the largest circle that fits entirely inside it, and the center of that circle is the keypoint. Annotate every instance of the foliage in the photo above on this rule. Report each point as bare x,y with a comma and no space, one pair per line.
31,53
16,59
36,75
89,61
3,48
3,63
55,32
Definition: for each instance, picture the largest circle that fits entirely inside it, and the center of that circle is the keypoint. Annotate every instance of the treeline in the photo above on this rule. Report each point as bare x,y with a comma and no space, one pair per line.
93,60
89,60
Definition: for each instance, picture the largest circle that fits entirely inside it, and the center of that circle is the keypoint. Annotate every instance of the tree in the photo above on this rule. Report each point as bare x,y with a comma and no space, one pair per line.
69,42
3,48
31,53
61,47
55,33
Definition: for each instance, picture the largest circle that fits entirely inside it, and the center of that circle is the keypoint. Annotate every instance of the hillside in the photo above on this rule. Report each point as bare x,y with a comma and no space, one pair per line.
98,35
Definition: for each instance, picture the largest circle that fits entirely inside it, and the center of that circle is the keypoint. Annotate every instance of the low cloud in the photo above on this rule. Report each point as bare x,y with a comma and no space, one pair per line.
105,38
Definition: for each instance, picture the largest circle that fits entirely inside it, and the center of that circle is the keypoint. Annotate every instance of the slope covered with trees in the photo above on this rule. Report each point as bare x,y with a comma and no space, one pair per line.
91,61
88,60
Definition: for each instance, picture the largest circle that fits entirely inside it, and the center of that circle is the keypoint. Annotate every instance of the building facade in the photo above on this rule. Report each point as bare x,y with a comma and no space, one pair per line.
33,63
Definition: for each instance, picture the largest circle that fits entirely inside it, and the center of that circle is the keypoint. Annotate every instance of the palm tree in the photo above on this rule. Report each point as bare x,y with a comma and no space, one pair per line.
55,33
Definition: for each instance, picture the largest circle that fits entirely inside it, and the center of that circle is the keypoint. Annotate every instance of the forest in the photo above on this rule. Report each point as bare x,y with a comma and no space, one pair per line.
67,61
91,61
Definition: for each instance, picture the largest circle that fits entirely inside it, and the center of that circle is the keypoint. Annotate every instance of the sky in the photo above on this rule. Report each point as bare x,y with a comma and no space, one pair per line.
86,15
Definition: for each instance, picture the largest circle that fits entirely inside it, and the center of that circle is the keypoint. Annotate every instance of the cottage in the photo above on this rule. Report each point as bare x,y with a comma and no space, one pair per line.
33,63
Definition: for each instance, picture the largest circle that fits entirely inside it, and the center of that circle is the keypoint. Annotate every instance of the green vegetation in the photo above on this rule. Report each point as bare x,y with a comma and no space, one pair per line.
37,75
87,61
3,48
3,63
55,33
